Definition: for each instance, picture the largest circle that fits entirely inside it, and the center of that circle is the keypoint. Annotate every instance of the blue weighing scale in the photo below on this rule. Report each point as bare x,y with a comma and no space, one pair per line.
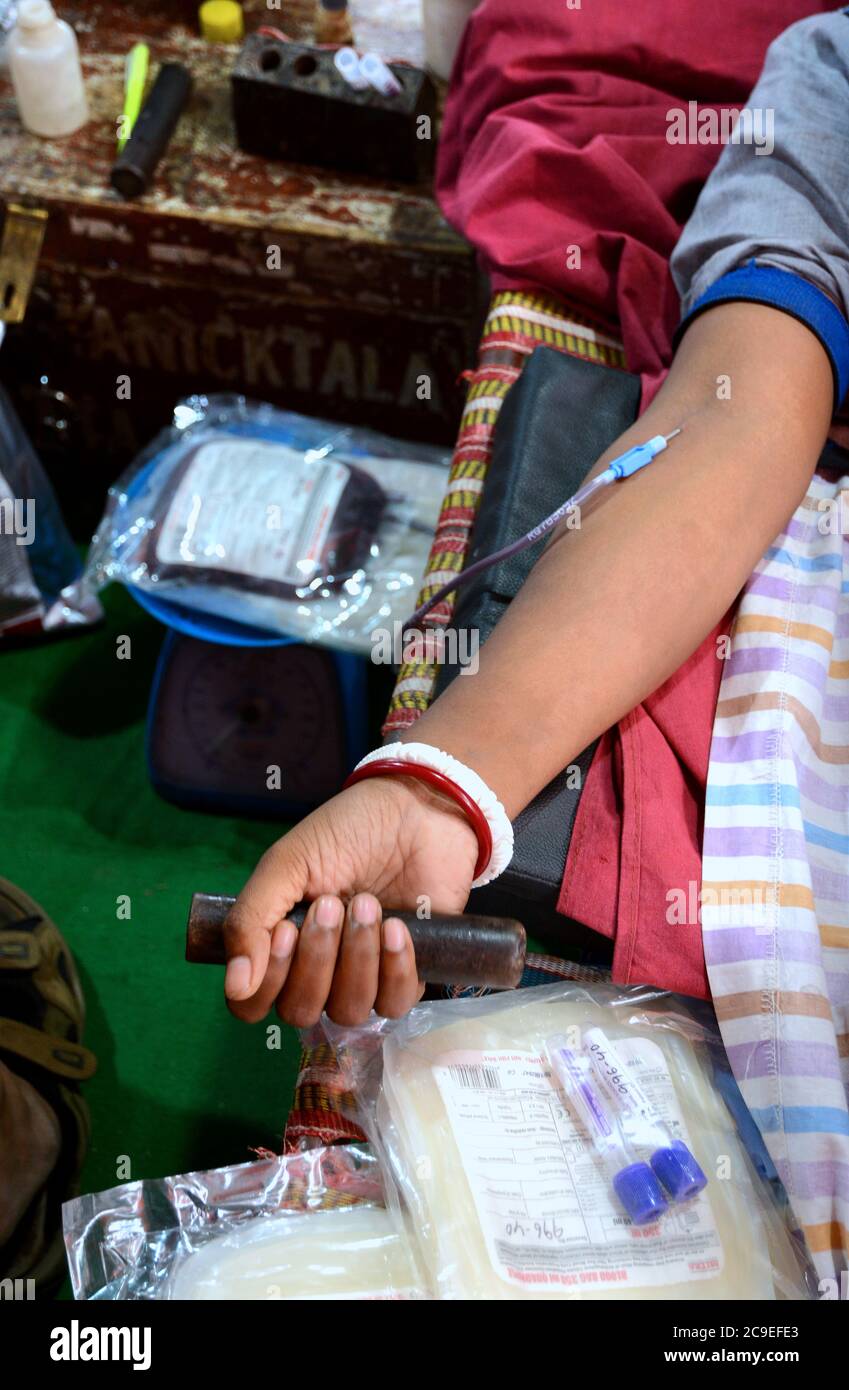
230,701
223,719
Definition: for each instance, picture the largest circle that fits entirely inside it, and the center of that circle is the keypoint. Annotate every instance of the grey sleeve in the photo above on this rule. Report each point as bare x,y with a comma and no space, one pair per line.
785,206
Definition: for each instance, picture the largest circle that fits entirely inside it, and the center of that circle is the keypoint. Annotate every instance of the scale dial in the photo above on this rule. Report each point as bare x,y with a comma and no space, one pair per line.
222,716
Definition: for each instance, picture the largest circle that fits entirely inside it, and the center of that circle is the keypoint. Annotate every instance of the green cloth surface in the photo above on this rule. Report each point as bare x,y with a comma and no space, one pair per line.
181,1085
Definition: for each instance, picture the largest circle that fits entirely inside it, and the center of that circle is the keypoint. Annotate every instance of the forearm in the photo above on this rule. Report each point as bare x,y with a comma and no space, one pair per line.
612,609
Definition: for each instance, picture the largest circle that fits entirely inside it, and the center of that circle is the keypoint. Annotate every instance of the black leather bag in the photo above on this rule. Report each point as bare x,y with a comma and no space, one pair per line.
561,414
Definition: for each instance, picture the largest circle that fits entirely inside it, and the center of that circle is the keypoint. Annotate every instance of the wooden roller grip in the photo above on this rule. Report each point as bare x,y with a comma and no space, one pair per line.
459,950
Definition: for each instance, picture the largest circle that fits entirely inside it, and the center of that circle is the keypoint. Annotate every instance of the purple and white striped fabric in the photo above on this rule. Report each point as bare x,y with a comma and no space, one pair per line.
775,890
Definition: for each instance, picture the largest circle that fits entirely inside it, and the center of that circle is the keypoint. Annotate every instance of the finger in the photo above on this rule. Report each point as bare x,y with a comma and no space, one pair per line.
400,987
354,987
276,884
282,945
311,973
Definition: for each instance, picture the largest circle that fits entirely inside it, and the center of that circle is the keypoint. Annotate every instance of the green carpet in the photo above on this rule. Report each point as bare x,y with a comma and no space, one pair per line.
181,1084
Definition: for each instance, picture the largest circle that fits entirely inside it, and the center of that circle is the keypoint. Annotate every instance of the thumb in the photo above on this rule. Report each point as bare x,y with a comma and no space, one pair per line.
277,883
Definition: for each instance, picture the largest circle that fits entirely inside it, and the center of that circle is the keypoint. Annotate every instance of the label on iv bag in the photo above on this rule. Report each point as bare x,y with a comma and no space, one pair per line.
249,506
546,1208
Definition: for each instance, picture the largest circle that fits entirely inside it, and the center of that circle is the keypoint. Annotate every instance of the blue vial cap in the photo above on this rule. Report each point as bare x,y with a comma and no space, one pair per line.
639,1192
678,1170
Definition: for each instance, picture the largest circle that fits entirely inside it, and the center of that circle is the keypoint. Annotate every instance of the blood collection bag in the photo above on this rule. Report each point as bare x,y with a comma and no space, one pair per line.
273,521
257,513
500,1183
353,1254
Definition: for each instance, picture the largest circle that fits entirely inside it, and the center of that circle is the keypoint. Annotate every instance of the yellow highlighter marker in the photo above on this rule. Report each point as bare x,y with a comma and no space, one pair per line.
134,80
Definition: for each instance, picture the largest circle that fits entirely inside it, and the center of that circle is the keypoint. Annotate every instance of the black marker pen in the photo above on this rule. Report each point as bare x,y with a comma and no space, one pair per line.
135,166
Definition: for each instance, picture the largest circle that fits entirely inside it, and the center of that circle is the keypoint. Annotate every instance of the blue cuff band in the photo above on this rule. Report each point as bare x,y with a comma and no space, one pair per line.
782,289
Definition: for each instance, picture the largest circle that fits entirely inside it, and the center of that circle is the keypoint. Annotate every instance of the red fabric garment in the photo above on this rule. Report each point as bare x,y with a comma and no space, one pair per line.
555,137
636,850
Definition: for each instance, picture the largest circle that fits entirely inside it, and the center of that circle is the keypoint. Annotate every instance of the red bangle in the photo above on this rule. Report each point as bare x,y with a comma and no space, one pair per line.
471,809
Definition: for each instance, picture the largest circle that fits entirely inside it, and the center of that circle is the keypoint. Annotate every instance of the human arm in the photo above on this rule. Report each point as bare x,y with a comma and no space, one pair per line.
611,610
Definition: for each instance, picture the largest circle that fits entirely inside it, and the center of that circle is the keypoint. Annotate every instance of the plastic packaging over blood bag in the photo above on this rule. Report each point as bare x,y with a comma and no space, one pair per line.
303,1226
499,1183
269,519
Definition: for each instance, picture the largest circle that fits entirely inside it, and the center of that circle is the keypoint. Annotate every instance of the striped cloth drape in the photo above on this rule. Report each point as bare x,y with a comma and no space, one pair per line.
775,889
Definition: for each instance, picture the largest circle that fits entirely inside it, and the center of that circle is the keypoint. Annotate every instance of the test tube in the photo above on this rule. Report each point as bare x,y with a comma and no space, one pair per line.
378,75
345,60
632,1179
672,1162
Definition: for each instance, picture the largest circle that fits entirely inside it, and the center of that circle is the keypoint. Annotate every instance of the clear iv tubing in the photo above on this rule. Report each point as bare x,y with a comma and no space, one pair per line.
623,467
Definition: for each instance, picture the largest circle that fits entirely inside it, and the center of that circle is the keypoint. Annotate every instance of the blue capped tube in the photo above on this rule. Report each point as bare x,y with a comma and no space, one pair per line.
645,1130
632,1179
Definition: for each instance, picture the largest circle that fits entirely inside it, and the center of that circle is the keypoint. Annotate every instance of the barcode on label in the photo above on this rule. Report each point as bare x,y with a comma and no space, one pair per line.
476,1078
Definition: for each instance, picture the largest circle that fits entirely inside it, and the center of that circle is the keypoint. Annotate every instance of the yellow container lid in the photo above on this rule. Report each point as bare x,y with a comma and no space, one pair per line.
222,21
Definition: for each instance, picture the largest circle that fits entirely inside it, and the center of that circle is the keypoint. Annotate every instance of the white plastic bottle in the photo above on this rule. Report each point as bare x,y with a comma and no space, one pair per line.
45,65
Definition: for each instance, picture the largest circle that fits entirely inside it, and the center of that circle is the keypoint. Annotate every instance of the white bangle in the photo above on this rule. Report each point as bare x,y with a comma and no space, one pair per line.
425,755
